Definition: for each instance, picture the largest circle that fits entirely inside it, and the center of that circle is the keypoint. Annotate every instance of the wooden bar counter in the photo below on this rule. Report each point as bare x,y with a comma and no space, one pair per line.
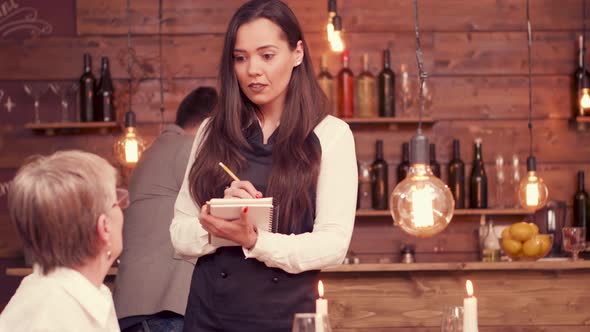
547,295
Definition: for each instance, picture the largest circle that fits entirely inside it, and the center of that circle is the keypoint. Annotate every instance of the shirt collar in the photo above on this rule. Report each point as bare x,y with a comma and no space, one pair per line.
97,302
173,129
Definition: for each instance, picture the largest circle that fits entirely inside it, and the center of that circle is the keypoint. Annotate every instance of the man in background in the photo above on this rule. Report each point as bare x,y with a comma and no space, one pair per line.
152,287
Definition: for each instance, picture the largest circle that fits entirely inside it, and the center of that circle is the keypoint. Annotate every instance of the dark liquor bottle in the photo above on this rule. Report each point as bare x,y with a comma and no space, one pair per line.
366,90
404,166
379,179
581,202
434,165
345,88
87,86
478,181
327,84
105,94
457,176
386,88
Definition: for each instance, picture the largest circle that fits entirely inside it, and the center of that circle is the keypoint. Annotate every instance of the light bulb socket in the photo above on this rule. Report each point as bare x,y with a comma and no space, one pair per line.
129,119
585,80
531,164
332,8
337,22
419,150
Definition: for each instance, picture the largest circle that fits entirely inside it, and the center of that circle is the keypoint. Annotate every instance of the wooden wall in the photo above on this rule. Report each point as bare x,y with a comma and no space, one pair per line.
475,52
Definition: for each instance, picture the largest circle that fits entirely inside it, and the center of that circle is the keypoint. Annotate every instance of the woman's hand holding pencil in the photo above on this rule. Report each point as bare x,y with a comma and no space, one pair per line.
239,188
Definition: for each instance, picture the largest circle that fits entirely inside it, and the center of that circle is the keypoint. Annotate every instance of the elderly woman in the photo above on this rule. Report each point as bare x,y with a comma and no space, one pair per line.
67,212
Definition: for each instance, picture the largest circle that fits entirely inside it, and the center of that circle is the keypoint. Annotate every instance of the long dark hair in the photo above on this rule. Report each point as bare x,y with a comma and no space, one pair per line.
296,155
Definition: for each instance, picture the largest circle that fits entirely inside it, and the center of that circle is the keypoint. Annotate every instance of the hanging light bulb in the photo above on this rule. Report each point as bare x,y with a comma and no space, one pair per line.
337,42
585,100
532,191
331,14
129,147
421,205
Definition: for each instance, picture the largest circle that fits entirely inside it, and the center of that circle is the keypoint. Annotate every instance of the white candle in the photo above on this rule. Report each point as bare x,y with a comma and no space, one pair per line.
321,309
469,310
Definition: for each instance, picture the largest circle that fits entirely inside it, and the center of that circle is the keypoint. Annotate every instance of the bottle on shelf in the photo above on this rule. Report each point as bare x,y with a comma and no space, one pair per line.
434,165
366,89
478,181
327,84
386,88
457,176
87,87
105,94
379,178
491,245
345,88
581,206
404,167
581,82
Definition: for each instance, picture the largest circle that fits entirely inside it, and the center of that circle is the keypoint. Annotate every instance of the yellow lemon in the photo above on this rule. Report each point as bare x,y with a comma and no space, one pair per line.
510,246
545,243
506,233
534,227
532,247
521,231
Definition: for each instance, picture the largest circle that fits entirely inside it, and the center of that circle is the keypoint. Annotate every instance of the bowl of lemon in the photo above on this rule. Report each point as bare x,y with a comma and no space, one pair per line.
522,242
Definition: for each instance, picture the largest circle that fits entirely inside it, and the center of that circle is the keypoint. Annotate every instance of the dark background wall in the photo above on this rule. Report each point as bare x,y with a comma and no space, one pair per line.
475,52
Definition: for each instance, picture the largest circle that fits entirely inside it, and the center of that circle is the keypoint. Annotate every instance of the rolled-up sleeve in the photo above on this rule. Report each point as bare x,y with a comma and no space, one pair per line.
337,188
189,239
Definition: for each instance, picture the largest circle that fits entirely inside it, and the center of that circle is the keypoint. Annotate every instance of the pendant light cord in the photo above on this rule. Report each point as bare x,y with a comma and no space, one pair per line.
530,41
422,73
160,21
129,54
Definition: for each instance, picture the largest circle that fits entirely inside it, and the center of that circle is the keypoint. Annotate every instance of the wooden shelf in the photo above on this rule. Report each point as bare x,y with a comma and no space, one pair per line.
50,128
25,271
388,120
458,212
583,119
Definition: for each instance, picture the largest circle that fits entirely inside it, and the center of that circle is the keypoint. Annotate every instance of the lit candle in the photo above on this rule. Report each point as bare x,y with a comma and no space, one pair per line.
321,304
469,309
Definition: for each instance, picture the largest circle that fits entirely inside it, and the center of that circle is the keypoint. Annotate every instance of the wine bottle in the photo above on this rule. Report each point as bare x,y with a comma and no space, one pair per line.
87,86
404,166
327,83
379,179
581,202
478,181
105,94
386,88
345,88
366,89
434,165
581,81
457,176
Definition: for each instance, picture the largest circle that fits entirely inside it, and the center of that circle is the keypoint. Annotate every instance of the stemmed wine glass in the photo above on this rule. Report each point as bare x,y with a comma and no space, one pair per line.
63,91
311,322
574,240
36,90
452,319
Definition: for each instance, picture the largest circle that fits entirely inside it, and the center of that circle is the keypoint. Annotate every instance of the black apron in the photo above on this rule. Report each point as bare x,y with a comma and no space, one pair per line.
231,293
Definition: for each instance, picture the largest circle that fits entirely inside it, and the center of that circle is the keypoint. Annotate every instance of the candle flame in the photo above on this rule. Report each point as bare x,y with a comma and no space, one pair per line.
321,288
469,286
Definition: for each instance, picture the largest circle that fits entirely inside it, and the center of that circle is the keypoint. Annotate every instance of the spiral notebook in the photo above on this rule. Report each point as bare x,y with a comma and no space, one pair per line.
260,212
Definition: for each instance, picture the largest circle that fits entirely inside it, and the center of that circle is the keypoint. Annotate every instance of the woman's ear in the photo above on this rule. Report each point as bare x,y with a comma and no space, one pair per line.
299,53
103,228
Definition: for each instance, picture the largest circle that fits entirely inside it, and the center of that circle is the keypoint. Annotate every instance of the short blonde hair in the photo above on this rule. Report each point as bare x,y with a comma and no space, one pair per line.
55,201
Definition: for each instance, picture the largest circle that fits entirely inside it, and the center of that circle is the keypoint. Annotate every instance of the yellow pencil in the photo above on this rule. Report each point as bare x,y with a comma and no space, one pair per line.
228,171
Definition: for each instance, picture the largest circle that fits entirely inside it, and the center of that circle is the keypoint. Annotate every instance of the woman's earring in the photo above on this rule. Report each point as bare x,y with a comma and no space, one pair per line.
298,63
109,252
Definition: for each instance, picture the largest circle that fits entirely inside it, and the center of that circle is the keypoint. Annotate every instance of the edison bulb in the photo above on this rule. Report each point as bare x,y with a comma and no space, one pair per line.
422,205
337,44
129,147
585,99
330,30
532,192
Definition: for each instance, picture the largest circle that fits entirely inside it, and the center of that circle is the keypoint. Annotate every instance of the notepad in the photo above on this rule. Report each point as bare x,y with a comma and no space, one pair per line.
260,213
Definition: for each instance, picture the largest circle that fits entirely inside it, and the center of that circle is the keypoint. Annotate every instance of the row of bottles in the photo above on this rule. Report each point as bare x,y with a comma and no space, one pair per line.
365,96
96,100
374,178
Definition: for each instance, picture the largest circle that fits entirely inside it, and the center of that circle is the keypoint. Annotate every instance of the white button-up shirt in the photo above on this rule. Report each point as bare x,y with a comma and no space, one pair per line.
61,301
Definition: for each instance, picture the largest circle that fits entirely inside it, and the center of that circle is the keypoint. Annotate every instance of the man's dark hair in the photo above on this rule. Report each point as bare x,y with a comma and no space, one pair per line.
196,106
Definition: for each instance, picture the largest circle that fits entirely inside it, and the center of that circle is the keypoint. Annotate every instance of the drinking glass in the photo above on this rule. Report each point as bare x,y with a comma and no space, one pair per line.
405,91
574,240
500,181
364,190
62,91
452,319
36,90
311,323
